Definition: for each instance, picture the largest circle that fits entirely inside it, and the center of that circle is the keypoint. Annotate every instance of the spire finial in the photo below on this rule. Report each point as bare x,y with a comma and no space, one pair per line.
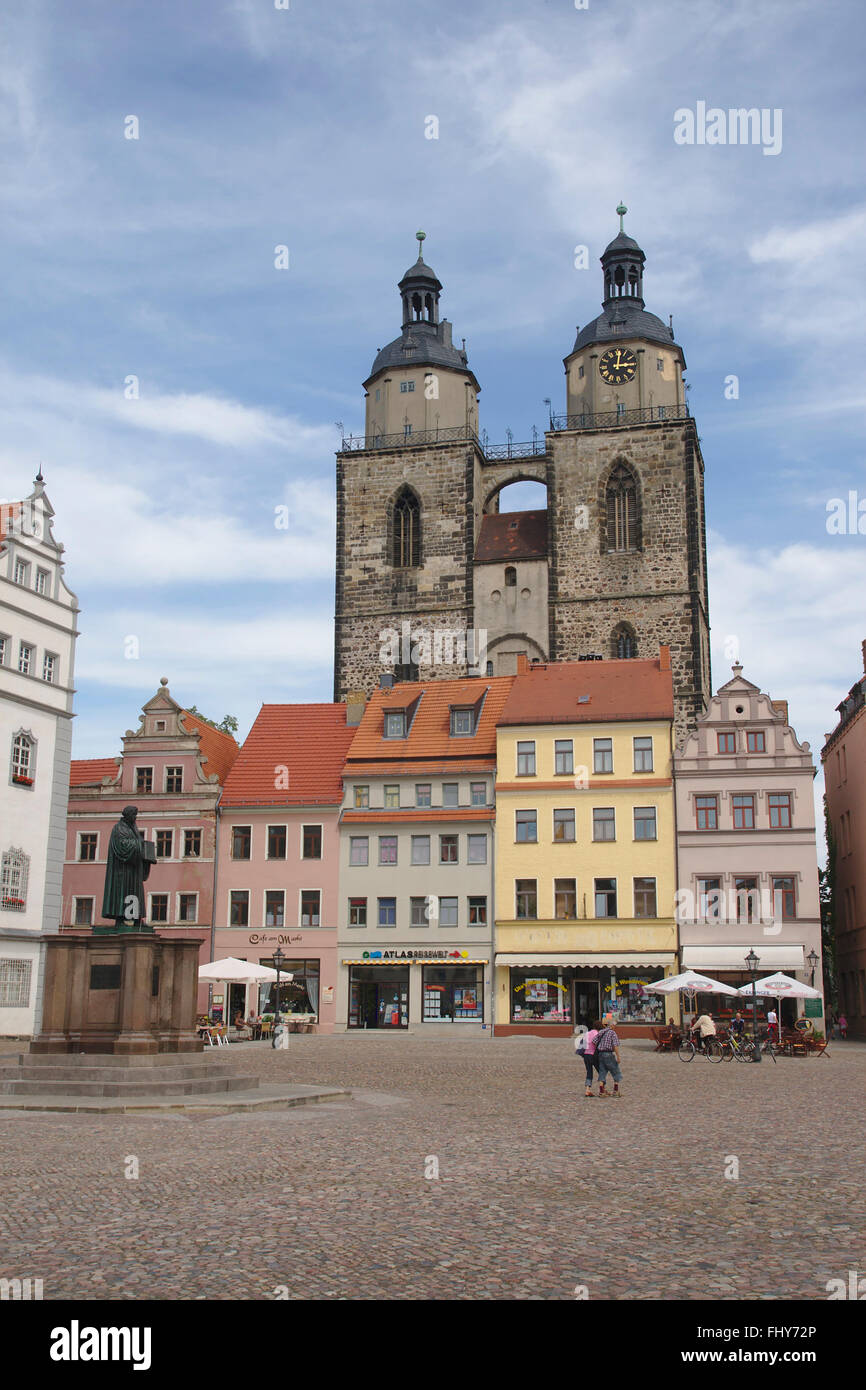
421,237
621,210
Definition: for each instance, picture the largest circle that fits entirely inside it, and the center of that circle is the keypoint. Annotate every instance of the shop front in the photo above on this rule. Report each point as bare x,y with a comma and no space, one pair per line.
310,957
727,964
402,988
549,994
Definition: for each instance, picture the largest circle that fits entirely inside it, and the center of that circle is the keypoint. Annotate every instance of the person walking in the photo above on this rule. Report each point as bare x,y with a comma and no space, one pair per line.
585,1047
607,1051
842,1023
772,1026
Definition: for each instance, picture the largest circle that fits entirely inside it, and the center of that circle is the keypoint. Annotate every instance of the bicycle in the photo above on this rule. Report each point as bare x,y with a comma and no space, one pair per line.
739,1046
711,1048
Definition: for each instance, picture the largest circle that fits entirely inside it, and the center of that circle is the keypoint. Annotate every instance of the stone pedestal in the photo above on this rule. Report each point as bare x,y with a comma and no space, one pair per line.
126,995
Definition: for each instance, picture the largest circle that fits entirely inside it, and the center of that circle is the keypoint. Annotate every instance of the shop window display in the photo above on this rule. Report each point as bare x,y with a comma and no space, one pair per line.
453,994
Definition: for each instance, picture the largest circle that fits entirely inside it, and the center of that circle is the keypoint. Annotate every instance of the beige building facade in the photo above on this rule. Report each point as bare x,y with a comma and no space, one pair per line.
747,877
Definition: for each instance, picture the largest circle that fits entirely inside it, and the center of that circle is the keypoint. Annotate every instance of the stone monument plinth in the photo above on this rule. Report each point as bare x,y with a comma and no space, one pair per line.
126,994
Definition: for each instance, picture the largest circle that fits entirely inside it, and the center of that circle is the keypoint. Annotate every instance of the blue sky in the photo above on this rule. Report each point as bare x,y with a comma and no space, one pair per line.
154,258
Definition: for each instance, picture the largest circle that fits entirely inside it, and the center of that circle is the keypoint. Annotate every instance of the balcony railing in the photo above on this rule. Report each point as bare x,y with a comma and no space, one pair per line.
607,419
457,434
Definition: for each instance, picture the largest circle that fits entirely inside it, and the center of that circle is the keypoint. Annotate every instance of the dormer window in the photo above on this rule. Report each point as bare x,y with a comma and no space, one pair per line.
462,723
395,724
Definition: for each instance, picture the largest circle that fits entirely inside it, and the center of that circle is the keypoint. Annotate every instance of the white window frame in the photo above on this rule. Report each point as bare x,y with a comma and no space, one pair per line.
31,765
310,926
23,975
23,867
5,641
25,663
145,767
83,898
173,767
21,572
55,661
165,830
78,835
150,897
44,575
355,864
311,825
185,893
265,924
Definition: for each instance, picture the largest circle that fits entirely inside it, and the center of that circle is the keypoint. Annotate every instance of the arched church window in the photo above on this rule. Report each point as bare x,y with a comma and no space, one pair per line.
416,305
406,531
623,512
624,643
510,577
619,278
428,305
23,759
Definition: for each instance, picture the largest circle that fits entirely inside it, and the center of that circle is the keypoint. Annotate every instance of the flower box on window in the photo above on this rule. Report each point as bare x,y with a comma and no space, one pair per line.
14,902
22,780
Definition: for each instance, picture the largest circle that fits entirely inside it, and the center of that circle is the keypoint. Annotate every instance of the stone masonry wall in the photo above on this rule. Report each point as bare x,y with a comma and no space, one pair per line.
371,595
660,590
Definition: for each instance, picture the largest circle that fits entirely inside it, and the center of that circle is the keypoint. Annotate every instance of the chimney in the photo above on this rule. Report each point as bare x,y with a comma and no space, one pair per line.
356,702
781,707
522,664
664,658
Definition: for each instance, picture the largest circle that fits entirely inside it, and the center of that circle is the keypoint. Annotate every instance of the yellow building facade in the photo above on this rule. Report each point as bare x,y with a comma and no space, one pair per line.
585,869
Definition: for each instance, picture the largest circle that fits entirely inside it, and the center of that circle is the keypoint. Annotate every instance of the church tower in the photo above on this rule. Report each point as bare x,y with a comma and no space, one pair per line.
613,567
627,548
405,505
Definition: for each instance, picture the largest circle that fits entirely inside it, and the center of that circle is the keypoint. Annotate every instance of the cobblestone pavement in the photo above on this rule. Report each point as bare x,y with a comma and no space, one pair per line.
539,1190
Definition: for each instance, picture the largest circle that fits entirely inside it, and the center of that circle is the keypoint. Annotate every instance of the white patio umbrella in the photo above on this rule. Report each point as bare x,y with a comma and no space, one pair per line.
230,970
779,987
690,983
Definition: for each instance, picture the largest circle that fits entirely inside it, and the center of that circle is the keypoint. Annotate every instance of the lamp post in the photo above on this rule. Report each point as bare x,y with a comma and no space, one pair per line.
752,961
812,958
279,957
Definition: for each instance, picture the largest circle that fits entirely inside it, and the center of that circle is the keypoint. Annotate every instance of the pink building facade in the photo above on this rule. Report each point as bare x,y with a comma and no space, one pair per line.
278,860
747,876
844,758
172,768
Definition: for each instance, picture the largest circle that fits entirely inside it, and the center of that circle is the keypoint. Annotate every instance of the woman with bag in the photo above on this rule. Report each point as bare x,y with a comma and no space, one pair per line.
584,1046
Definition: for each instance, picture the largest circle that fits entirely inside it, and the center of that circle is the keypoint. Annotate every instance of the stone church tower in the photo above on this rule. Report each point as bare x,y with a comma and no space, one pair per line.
614,567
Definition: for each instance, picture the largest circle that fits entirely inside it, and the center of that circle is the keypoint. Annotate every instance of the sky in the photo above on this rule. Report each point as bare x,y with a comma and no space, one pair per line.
177,388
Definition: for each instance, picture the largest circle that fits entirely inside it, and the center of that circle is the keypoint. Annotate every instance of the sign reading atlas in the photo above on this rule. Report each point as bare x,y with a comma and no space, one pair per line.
414,955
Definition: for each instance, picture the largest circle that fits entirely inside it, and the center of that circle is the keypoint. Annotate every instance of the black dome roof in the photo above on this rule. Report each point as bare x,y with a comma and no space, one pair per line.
623,319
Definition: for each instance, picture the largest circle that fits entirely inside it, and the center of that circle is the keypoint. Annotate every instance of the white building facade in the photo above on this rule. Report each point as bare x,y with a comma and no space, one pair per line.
38,628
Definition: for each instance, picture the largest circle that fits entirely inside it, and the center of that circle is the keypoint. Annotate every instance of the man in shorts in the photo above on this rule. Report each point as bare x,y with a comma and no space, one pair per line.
607,1052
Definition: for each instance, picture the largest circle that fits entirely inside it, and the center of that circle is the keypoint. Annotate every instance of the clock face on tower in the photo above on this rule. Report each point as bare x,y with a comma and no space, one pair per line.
617,366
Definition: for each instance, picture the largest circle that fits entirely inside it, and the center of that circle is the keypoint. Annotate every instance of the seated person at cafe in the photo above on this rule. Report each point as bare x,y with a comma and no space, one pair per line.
738,1024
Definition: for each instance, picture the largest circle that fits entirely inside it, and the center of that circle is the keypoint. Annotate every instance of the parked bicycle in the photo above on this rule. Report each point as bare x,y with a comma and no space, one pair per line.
739,1046
710,1047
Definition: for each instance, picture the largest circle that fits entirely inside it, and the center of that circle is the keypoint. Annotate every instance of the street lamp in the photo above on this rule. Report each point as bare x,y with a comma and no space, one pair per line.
812,958
279,957
752,961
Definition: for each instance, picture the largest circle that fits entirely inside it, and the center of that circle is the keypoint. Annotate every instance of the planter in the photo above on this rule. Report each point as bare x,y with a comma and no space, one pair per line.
22,781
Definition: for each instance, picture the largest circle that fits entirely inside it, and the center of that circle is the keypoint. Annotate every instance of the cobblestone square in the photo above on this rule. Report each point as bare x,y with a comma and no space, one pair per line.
539,1190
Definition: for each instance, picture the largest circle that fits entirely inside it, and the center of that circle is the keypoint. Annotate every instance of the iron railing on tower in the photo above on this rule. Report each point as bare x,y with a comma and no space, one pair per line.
607,419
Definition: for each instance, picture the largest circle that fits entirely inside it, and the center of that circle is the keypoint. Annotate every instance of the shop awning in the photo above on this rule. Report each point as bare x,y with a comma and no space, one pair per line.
771,958
585,958
471,960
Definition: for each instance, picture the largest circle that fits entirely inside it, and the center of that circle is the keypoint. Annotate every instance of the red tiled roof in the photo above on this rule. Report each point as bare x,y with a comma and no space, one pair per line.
437,813
429,734
88,772
219,750
309,741
512,536
618,690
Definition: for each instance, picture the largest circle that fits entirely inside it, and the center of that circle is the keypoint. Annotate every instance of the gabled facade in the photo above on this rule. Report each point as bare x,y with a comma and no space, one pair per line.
585,846
416,858
844,759
748,865
38,617
278,858
172,768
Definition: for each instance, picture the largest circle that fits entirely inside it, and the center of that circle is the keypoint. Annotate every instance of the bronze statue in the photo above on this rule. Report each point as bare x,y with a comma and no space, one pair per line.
127,867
